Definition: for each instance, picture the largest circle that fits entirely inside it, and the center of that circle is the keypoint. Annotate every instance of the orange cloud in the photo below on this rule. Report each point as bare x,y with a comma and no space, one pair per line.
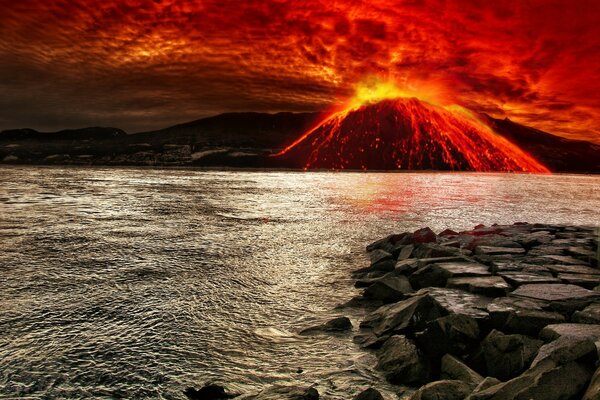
142,64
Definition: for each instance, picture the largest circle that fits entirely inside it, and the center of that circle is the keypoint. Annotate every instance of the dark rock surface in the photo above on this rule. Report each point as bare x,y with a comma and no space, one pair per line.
401,361
209,391
443,390
508,355
369,394
340,324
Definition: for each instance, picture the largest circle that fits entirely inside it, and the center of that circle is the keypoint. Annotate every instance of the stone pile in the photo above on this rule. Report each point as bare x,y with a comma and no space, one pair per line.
499,312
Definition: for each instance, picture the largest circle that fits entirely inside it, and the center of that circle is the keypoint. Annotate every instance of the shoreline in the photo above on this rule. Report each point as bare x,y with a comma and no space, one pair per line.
498,312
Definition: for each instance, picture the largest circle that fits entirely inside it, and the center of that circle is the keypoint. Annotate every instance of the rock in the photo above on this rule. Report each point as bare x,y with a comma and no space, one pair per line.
506,356
593,390
369,340
453,368
492,251
448,232
454,334
553,332
545,382
209,391
573,269
583,280
404,252
523,278
438,274
284,392
561,297
406,267
407,315
563,260
529,240
455,301
369,394
360,302
520,315
386,265
387,242
492,286
389,288
401,362
379,255
443,390
566,349
431,250
424,235
370,278
589,315
340,324
488,382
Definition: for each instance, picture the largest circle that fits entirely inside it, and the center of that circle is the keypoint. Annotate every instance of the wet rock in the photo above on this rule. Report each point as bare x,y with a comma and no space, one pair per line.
568,260
593,390
524,278
553,332
492,286
424,235
547,381
566,349
448,232
369,340
387,243
389,289
493,251
454,334
454,369
438,274
589,315
405,316
488,382
379,255
360,302
283,392
406,267
384,266
340,324
400,361
519,315
506,356
209,391
583,280
561,297
443,390
403,252
573,269
455,301
369,394
370,278
529,240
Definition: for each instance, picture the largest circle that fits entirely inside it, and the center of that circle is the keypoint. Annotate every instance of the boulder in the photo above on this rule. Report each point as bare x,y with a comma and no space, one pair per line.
573,269
406,267
520,315
492,286
589,315
424,235
409,315
486,383
558,259
561,297
584,280
593,390
209,391
448,232
378,255
438,274
285,392
566,349
430,250
454,334
455,301
443,390
518,278
389,289
506,356
400,361
493,251
553,332
454,369
340,324
388,243
369,394
403,252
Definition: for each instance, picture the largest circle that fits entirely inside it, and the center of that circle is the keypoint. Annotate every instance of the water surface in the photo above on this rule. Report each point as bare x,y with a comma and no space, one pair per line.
123,282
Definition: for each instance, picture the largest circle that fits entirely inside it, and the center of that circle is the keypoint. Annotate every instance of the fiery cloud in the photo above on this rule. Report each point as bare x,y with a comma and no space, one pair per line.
142,64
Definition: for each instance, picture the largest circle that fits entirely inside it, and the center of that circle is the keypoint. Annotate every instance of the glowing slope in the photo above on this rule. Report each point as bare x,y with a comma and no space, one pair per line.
410,134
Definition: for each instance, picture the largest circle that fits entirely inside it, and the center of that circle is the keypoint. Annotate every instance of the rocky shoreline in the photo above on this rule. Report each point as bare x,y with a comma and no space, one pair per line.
498,312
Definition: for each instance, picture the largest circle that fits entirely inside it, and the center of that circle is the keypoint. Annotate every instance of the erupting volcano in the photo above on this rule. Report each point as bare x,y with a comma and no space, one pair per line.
410,134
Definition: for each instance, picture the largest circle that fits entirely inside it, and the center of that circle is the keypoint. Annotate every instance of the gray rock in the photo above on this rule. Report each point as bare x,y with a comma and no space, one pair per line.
520,315
519,278
492,286
400,361
566,349
493,251
455,301
455,334
561,297
389,288
340,324
553,332
443,390
454,369
589,315
369,394
506,356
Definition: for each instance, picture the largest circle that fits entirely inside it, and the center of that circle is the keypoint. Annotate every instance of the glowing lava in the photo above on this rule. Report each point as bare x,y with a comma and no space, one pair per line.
381,129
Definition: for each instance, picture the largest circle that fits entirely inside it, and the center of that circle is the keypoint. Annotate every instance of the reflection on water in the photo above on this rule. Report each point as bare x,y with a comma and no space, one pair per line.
138,283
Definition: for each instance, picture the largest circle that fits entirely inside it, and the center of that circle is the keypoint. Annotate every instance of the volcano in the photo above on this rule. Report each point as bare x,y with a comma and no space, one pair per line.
408,134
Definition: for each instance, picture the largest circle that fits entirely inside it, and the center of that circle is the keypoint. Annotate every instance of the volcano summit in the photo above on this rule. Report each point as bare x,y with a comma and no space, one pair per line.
409,134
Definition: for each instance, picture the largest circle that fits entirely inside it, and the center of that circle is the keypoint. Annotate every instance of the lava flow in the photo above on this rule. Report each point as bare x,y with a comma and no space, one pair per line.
410,134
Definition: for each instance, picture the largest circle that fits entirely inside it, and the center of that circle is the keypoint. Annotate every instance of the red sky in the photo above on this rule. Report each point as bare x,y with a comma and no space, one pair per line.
142,64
